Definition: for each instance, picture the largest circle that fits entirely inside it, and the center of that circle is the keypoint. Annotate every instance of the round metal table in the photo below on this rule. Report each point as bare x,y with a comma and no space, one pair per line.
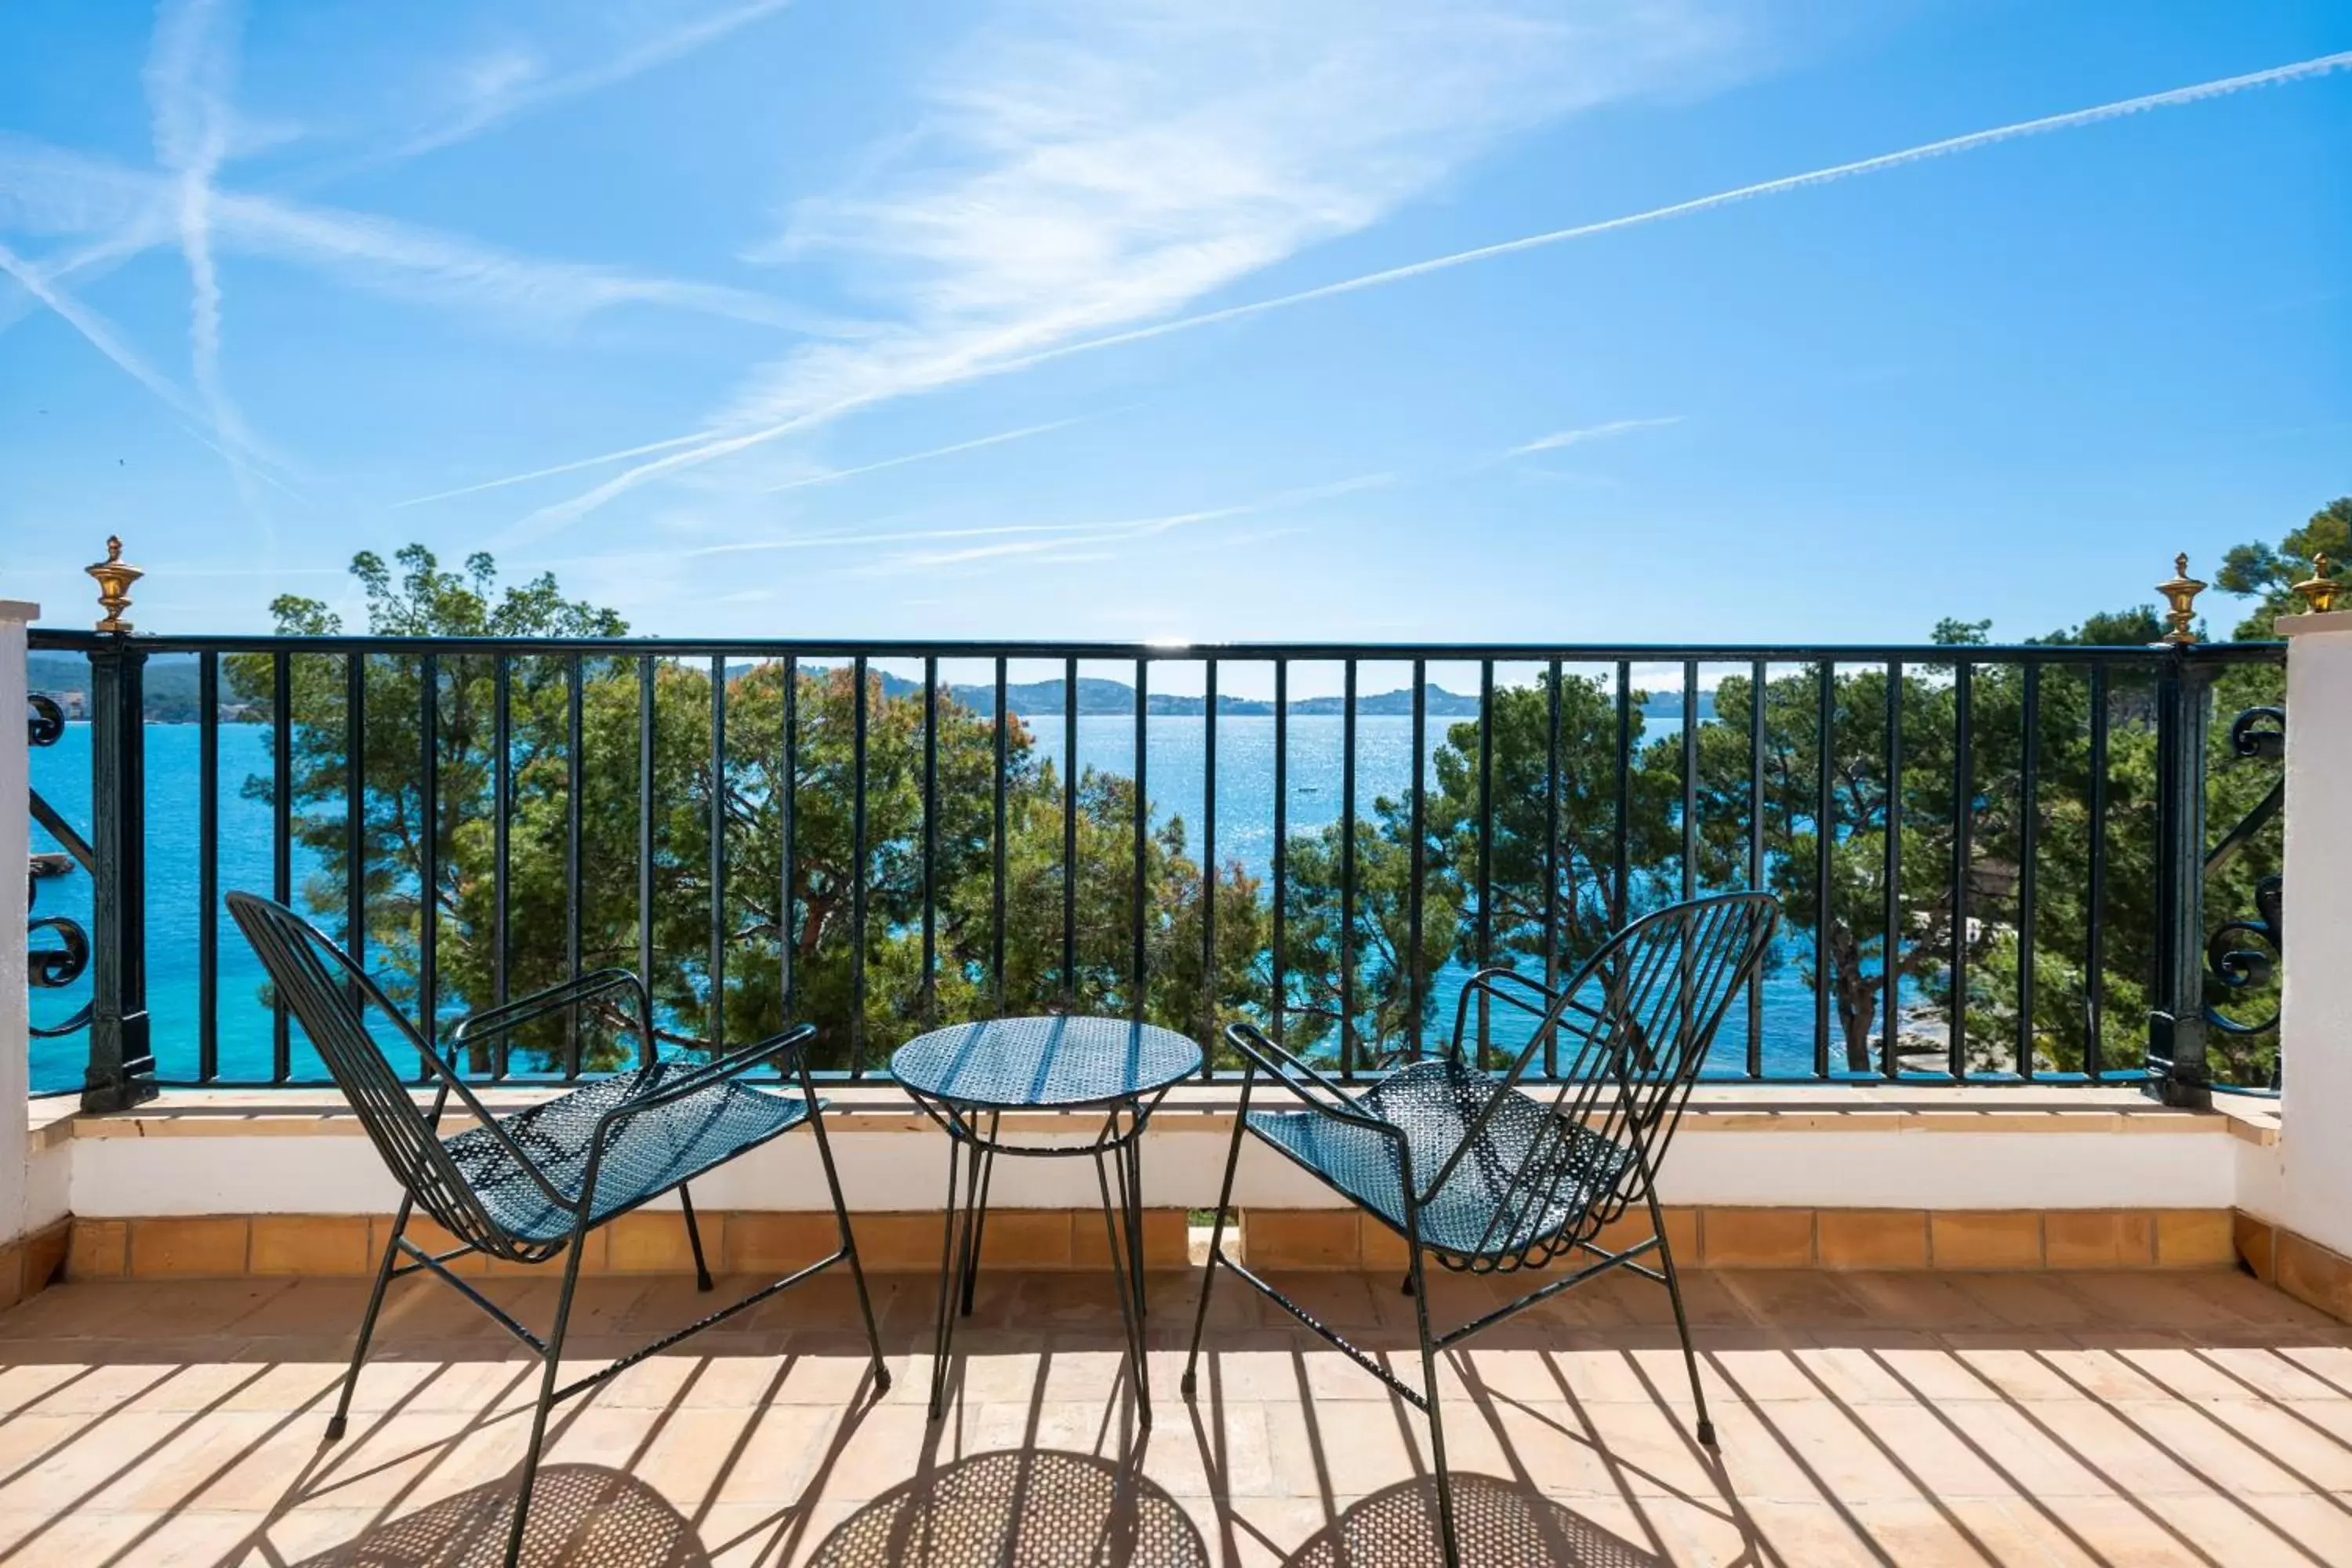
968,1076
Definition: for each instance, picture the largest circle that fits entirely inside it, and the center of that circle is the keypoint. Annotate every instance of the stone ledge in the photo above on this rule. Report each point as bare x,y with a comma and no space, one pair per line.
867,1108
647,1241
1829,1239
760,1241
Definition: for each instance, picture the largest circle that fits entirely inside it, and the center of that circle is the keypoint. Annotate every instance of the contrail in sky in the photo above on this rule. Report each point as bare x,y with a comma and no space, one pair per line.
712,444
2321,66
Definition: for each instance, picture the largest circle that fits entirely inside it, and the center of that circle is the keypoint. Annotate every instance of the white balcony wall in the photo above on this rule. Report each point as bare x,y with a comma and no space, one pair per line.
2310,1190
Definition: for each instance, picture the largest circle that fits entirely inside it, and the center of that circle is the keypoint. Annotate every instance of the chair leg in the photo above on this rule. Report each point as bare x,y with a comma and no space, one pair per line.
335,1423
694,1239
1682,1319
1436,1425
1216,1241
848,1239
554,1358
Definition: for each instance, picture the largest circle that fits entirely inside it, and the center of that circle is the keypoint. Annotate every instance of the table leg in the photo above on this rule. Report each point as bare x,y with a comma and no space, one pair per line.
978,1224
1125,1276
1135,1225
956,1258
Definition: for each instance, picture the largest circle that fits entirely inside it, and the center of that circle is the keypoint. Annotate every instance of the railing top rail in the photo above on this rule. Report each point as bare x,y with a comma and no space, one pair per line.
1241,651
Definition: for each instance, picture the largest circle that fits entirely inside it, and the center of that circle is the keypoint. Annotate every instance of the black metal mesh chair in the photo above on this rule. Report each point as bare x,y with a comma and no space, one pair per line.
1473,1171
530,1186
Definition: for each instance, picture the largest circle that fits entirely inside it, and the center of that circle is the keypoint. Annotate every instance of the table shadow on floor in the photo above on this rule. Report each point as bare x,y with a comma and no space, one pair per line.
1032,1507
1499,1525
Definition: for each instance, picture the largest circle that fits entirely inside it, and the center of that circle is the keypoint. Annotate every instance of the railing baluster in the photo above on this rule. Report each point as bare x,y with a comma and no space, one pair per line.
281,841
1824,836
428,903
996,886
1690,779
501,829
1551,857
717,963
1070,834
1757,676
1420,847
1486,842
2094,1051
1140,982
1890,982
646,829
1964,814
354,804
1348,873
575,784
2029,832
789,809
208,865
929,994
1621,867
1208,870
1280,977
857,869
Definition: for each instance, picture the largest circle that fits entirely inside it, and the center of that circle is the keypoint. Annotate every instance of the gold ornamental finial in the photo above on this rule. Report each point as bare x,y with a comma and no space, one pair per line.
2319,589
2181,595
114,577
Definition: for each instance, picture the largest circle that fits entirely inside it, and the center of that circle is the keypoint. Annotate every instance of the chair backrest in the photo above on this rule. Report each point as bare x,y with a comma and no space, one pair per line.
1632,1031
337,1004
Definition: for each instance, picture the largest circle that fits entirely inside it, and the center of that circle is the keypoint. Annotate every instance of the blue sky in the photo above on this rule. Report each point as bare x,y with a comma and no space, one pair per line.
952,318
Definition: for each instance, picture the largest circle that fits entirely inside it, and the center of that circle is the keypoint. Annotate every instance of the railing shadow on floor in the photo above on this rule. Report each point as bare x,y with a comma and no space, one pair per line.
1501,1524
581,1516
1019,1505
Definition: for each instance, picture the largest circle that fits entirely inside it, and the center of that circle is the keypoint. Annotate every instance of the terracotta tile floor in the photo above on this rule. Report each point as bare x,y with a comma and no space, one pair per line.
2111,1418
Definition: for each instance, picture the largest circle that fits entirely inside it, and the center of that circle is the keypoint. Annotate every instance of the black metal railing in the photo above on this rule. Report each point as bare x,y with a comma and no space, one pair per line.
1994,859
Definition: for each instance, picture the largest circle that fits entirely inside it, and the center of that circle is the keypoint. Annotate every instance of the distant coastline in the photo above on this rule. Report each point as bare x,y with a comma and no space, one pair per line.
170,694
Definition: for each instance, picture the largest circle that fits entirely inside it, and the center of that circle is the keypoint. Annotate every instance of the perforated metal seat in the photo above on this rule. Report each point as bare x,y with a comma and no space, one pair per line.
1526,1164
665,1147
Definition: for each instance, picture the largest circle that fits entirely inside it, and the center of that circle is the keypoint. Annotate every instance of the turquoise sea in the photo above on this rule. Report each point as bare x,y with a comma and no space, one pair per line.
1384,764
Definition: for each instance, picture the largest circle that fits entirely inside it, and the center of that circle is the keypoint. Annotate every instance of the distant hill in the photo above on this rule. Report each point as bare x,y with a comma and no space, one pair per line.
1101,695
171,695
169,687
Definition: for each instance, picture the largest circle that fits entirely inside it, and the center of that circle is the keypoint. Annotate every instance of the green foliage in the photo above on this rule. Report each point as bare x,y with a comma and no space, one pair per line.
1538,886
762,936
2267,574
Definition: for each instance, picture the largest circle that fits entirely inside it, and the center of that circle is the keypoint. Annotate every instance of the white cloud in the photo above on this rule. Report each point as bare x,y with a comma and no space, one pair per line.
1102,163
189,69
1559,438
50,191
986,358
509,80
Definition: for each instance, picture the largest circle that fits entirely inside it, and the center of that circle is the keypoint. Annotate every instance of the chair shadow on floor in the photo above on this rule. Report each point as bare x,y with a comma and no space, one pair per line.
1500,1524
1034,1508
581,1516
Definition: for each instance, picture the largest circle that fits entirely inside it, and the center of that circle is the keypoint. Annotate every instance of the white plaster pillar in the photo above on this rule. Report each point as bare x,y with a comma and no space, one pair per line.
2315,1035
16,846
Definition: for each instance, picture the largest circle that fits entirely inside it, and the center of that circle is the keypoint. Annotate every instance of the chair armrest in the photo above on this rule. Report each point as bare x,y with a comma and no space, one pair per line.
507,1016
685,1086
1263,1054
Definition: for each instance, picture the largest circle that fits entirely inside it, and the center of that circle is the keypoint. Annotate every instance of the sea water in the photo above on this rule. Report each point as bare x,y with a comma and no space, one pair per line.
1175,774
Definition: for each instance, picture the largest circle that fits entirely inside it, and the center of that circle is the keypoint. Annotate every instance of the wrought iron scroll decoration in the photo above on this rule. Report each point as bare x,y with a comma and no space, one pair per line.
53,968
2258,735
